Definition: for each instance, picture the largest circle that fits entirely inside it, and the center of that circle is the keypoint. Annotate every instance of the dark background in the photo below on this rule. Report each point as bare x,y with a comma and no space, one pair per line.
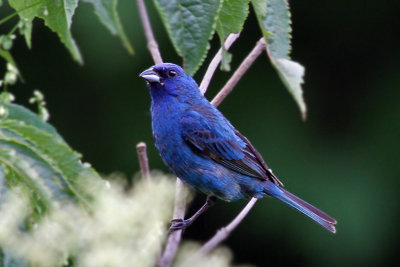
344,159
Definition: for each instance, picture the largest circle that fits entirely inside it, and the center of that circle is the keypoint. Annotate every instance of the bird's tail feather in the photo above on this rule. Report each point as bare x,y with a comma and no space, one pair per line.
317,215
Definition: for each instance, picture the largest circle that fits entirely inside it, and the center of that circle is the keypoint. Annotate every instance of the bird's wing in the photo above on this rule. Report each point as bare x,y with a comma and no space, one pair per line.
215,137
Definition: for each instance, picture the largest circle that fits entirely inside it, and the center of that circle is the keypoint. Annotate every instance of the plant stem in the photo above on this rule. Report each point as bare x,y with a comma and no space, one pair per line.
244,66
174,237
8,17
17,12
224,232
215,62
143,160
151,41
13,30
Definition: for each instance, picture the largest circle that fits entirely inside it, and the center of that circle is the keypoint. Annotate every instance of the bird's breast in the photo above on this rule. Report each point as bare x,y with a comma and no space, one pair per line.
168,140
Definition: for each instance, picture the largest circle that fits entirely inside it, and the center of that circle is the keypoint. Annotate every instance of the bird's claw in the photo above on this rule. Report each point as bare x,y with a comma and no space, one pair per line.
179,224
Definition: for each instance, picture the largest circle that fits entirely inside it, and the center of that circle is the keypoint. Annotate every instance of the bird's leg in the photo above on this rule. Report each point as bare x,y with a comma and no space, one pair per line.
178,224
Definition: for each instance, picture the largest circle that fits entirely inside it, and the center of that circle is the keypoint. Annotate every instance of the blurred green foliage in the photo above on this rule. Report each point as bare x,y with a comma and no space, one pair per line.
344,159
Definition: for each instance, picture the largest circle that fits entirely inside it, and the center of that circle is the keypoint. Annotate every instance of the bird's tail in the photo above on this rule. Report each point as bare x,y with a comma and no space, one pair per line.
317,215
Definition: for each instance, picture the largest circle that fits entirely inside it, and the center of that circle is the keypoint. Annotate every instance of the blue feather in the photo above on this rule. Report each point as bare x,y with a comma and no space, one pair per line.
200,145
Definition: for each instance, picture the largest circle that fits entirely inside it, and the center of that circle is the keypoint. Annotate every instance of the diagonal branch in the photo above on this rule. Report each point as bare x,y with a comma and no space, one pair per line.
215,62
221,235
224,232
244,66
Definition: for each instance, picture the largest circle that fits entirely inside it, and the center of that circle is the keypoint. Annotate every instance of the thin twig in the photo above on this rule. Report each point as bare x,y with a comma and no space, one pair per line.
180,203
224,232
143,160
175,236
244,66
151,41
18,12
215,62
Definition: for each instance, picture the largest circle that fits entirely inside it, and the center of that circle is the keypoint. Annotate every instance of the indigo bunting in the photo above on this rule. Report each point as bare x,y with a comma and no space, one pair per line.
201,147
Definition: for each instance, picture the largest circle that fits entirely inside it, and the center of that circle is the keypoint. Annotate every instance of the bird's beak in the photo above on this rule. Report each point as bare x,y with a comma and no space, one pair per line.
150,75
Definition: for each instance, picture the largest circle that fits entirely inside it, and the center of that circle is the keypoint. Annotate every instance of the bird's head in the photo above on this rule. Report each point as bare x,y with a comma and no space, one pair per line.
168,78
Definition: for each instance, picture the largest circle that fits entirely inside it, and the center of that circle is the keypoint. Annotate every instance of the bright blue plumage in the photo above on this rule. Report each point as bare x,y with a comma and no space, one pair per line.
200,146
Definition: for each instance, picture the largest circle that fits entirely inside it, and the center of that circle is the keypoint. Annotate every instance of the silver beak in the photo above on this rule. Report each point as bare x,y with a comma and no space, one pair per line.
150,75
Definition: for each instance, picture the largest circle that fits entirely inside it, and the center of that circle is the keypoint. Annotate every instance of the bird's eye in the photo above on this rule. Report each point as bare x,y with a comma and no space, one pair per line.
172,73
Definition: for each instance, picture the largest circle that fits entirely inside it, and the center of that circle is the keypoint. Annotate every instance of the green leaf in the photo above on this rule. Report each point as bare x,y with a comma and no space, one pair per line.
226,58
292,74
231,18
33,154
61,159
30,170
20,113
277,23
274,20
25,29
57,15
190,24
7,56
27,11
106,10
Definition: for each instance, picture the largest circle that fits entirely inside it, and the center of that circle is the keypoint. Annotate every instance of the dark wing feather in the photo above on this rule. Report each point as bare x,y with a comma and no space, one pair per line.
224,145
257,158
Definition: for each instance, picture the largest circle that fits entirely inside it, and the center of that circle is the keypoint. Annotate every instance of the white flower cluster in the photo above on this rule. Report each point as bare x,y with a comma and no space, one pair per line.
121,228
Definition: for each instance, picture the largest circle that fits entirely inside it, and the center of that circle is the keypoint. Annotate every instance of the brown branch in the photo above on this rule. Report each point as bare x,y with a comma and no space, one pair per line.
215,62
224,232
143,160
151,41
244,66
174,237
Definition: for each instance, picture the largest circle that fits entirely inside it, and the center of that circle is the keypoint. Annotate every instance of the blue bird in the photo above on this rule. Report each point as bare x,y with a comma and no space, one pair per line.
201,147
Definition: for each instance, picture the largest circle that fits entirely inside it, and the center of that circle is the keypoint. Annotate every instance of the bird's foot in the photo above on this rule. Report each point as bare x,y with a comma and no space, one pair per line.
180,224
